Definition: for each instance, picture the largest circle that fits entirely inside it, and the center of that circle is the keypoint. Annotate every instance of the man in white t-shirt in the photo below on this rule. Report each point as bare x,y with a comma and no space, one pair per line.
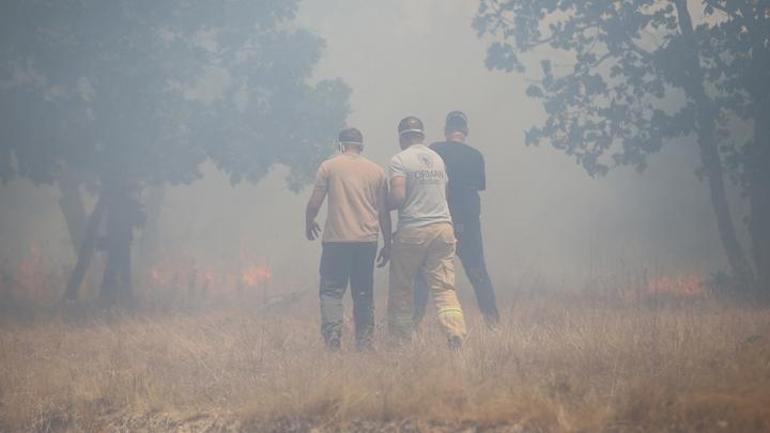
425,241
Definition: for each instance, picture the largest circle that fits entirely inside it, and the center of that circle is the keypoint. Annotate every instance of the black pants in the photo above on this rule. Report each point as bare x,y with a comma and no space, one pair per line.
470,250
343,263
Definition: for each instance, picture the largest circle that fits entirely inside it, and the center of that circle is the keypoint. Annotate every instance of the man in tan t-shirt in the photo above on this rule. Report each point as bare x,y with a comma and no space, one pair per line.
357,190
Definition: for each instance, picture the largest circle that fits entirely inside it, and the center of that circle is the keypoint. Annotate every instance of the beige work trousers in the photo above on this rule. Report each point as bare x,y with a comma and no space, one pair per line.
429,251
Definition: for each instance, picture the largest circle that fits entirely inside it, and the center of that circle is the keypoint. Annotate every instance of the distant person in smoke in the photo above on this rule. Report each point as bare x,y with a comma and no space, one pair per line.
424,243
356,213
465,167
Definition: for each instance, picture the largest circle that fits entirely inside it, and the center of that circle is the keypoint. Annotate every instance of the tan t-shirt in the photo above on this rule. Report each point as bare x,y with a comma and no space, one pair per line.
357,190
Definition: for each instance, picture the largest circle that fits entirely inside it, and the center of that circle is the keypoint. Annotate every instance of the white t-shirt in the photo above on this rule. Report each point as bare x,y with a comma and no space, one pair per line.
426,181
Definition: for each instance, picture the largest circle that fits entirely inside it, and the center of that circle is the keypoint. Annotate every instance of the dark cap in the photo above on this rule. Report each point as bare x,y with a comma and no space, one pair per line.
351,136
410,124
456,121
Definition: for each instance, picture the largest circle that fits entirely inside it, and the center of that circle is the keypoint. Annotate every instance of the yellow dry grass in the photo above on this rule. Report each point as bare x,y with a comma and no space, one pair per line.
553,366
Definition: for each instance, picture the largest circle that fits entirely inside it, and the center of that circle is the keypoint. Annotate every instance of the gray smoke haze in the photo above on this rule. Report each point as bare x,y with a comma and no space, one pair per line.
544,218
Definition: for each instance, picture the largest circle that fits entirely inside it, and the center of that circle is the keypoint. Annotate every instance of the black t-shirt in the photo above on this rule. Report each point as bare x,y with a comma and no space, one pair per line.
465,169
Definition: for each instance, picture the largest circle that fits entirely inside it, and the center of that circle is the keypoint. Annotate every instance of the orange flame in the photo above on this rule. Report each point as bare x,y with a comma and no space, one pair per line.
682,287
255,275
173,273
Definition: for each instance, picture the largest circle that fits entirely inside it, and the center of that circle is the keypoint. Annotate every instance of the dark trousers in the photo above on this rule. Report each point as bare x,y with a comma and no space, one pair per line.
343,263
470,250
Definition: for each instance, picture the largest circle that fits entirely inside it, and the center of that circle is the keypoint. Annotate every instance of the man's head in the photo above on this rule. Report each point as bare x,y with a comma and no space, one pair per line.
410,131
351,139
456,126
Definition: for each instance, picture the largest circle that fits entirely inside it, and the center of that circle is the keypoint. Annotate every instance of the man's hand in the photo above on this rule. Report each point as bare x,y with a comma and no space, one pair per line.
384,256
311,212
312,230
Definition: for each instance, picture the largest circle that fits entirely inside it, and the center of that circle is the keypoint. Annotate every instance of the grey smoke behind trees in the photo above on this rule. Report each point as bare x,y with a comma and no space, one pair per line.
544,217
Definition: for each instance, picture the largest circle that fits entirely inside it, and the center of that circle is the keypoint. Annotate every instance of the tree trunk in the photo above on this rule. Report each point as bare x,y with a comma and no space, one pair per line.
116,285
712,165
757,163
758,173
122,215
71,204
709,152
148,244
86,250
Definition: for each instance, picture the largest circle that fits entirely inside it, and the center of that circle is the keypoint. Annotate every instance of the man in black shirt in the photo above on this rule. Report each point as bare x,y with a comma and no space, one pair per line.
465,169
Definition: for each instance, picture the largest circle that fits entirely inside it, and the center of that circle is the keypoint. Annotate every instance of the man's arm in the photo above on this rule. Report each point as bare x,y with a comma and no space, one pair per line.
397,190
482,174
397,194
312,229
386,227
385,222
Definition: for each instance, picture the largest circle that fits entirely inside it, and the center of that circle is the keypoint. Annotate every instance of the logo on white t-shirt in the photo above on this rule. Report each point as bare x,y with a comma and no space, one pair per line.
426,160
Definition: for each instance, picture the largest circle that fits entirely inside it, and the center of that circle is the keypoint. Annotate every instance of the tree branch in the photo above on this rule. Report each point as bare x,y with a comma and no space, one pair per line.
718,6
639,50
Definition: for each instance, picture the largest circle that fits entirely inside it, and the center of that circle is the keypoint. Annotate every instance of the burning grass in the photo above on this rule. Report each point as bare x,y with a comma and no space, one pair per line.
553,366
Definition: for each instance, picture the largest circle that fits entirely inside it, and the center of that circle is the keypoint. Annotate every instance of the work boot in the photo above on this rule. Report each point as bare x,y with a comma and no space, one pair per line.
333,344
332,336
492,322
364,345
455,343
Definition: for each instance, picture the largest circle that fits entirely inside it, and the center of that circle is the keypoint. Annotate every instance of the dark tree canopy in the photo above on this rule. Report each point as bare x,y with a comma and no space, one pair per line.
149,89
616,93
607,103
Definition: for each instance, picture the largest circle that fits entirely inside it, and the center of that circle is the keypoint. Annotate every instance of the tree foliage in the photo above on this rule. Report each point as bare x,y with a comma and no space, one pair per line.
127,93
633,74
149,89
620,94
605,98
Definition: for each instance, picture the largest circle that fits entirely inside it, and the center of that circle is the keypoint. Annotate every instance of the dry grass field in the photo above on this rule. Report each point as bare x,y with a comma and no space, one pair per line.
555,365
